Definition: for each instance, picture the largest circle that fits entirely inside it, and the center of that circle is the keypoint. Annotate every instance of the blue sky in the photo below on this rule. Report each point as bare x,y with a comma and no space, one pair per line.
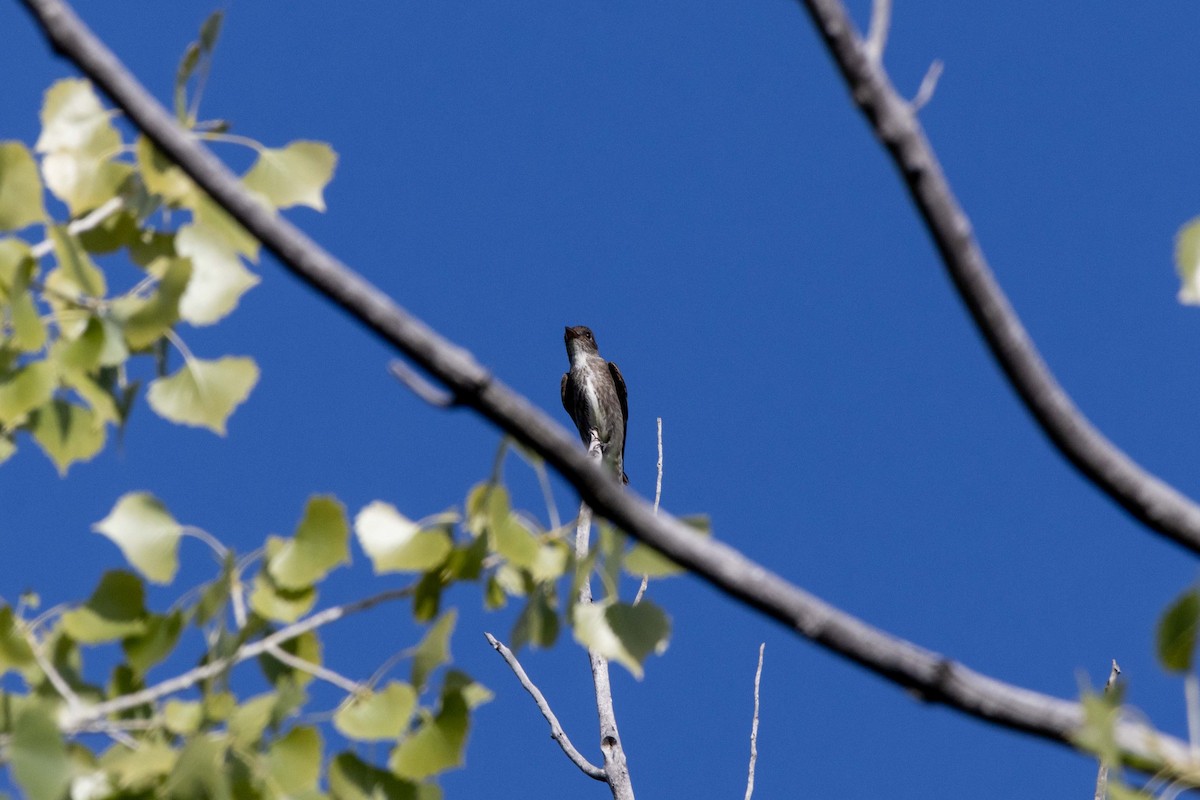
756,270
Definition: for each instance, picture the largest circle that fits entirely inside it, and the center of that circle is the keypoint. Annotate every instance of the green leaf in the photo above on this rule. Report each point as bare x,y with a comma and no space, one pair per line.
321,543
79,142
216,218
538,623
75,272
103,405
216,594
645,560
29,387
218,278
1098,733
434,649
1177,633
115,610
146,320
204,393
67,433
395,543
376,716
15,652
293,175
1187,262
427,597
183,717
137,770
187,66
82,354
306,646
437,744
351,778
199,773
270,601
551,561
250,719
29,332
150,648
514,541
20,188
147,534
294,762
39,755
210,30
622,632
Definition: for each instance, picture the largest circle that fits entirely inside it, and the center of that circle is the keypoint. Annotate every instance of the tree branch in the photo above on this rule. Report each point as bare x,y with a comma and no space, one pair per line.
556,730
928,674
754,726
1150,500
616,769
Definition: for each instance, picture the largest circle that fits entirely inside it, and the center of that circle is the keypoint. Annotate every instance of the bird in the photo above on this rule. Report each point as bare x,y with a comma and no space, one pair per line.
594,396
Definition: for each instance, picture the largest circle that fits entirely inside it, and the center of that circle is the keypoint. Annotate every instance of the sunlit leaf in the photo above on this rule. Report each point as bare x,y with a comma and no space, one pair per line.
645,560
137,769
294,761
622,632
320,544
1177,633
434,649
79,143
39,755
437,744
395,543
146,320
183,716
376,716
147,534
1187,262
204,393
75,267
551,561
211,215
270,601
293,175
513,540
199,772
26,389
218,278
20,188
67,433
115,610
250,719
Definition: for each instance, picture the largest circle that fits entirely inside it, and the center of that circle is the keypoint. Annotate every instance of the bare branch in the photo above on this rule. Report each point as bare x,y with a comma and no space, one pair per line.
616,770
316,670
657,497
1150,500
1102,771
928,85
416,383
85,223
754,725
881,21
74,702
928,674
556,730
86,714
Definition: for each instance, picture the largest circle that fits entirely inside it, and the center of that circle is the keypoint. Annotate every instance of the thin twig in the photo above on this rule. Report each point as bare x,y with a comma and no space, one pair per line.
87,714
927,674
657,497
418,385
616,770
877,34
1102,771
754,725
928,85
85,223
74,702
556,730
316,670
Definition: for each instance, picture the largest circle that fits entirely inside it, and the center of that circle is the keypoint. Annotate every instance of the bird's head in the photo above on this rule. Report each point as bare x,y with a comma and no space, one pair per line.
580,341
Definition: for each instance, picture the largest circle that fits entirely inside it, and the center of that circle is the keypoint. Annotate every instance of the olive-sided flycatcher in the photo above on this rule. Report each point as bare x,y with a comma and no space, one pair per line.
593,393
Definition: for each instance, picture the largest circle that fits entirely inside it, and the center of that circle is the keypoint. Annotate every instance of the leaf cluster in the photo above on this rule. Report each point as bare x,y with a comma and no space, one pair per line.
91,304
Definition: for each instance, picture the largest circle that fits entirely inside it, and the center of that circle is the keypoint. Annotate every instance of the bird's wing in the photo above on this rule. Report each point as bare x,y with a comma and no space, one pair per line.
622,395
568,397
